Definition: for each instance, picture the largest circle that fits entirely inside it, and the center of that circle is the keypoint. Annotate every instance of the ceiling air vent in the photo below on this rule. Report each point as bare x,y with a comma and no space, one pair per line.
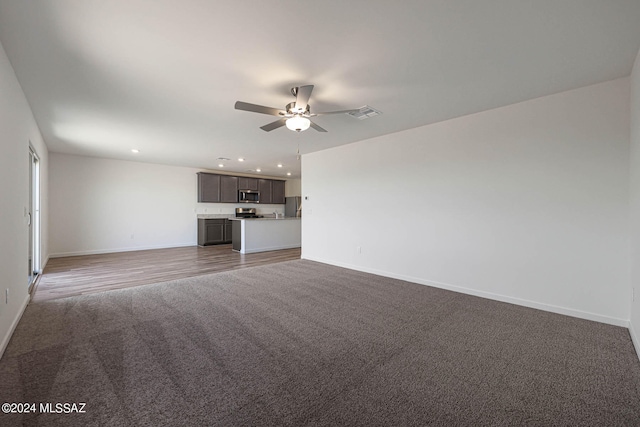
364,113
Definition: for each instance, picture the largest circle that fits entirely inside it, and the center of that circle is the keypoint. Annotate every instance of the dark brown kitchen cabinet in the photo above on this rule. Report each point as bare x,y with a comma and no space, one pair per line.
246,183
208,188
277,192
214,231
228,189
215,188
228,231
264,186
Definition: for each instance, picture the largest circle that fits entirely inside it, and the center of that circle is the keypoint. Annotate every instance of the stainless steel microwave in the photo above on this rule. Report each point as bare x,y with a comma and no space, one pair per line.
248,196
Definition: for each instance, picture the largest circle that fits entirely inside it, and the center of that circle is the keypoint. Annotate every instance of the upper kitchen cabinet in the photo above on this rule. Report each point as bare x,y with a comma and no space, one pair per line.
245,183
264,186
228,189
271,191
277,192
208,188
215,188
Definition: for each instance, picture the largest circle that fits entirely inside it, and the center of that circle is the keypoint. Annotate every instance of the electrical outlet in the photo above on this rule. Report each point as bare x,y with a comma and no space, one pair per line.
359,250
633,294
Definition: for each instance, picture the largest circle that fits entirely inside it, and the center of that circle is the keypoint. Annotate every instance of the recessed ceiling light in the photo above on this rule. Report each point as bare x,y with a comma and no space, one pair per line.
134,150
288,173
220,165
279,165
241,159
258,170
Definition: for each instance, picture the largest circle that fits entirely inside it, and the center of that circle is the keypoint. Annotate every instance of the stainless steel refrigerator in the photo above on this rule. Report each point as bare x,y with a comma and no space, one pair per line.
293,206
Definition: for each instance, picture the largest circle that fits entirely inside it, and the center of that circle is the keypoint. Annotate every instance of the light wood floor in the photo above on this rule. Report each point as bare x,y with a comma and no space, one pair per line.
77,275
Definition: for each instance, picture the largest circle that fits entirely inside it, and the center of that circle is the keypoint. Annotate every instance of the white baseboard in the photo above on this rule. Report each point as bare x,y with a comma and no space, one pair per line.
497,297
44,264
12,328
109,251
635,339
275,248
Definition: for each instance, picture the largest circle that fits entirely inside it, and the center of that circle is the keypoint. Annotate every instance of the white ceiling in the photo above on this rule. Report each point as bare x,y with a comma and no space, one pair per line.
105,76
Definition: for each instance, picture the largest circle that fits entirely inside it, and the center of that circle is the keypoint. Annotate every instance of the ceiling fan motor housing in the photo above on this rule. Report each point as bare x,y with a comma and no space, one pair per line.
291,109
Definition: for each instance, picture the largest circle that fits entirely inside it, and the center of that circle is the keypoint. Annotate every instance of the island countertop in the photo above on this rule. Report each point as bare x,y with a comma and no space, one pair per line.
215,216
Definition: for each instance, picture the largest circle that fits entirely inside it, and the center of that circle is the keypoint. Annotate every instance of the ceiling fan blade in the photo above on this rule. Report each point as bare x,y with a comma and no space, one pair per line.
316,127
302,97
273,125
245,106
334,112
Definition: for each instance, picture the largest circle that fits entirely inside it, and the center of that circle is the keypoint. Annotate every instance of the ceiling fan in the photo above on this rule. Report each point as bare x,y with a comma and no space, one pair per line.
295,115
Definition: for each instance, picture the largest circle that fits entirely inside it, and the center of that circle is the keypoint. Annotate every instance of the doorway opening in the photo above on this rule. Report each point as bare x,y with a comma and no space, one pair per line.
33,217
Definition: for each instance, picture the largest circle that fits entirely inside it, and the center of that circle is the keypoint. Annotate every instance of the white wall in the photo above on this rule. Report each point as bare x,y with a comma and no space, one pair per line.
526,203
97,205
17,129
635,204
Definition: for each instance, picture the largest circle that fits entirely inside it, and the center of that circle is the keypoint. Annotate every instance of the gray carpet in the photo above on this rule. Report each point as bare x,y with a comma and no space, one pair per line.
301,343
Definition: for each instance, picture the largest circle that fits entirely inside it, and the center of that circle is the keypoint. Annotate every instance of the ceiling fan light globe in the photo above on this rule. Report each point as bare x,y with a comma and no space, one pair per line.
298,124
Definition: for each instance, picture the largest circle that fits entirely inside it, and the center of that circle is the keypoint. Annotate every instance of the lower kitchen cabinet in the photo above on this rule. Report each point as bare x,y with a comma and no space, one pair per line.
228,231
214,231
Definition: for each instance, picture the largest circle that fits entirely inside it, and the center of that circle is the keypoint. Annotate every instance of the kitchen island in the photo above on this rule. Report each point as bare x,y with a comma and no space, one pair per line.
265,234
